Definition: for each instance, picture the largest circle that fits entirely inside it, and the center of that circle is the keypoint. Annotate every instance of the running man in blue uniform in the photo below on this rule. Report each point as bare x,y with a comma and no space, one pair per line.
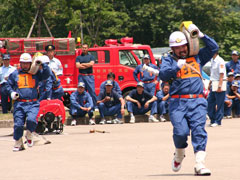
187,106
23,89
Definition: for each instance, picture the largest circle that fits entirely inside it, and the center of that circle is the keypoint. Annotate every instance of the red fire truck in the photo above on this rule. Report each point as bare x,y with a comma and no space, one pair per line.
119,58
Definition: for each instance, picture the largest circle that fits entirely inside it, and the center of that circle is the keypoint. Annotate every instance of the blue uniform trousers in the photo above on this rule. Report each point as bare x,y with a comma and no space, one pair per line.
162,107
75,113
216,98
57,93
133,108
89,86
236,106
25,111
186,115
110,111
4,99
227,110
150,87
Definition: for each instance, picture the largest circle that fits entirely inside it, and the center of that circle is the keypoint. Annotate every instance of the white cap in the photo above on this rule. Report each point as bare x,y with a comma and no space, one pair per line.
146,56
25,57
177,38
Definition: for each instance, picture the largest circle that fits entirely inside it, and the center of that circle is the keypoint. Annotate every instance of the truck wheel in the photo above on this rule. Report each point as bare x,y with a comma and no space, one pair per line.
66,100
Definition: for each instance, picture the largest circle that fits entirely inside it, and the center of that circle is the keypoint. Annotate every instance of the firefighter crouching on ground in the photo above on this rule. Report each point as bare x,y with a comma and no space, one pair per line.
23,89
187,106
51,87
140,101
81,104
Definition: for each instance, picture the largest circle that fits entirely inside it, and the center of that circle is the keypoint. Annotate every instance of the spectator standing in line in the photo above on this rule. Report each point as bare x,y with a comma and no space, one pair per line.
54,63
163,101
218,88
139,102
5,72
149,79
234,64
116,87
85,63
110,103
81,104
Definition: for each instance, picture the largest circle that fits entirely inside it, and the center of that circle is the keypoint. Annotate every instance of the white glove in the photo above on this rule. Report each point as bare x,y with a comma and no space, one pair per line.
181,63
14,95
150,69
193,27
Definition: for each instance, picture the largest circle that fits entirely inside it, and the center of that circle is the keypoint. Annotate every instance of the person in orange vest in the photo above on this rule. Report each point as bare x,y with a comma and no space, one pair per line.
187,106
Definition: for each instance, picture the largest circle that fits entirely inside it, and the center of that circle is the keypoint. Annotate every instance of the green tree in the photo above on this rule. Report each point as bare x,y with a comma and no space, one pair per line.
100,20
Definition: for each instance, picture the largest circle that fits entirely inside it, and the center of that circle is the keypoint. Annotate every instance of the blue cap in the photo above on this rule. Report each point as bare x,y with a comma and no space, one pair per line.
140,84
81,84
6,56
50,48
235,83
146,56
109,83
234,52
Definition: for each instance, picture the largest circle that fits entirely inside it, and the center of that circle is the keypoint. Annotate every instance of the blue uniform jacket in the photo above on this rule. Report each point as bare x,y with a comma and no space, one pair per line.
116,87
114,98
26,84
233,67
81,100
142,98
192,85
144,75
48,86
160,95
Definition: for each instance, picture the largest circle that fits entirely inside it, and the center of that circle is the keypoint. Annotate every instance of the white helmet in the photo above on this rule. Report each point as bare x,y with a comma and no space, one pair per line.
177,38
43,59
25,57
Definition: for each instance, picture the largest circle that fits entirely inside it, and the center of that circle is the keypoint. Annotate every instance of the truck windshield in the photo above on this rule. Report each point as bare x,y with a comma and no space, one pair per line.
140,53
127,59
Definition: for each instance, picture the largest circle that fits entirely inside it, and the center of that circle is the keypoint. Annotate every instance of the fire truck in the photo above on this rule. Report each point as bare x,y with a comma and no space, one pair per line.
119,58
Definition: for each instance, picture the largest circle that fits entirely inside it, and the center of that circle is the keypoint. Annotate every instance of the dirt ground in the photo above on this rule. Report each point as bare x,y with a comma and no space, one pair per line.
141,151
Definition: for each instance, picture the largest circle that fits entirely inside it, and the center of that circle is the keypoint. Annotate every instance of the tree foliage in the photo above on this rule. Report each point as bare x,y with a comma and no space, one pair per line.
148,21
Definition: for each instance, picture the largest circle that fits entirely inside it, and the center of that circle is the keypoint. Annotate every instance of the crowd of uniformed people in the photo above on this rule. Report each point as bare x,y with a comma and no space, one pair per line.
181,93
27,89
